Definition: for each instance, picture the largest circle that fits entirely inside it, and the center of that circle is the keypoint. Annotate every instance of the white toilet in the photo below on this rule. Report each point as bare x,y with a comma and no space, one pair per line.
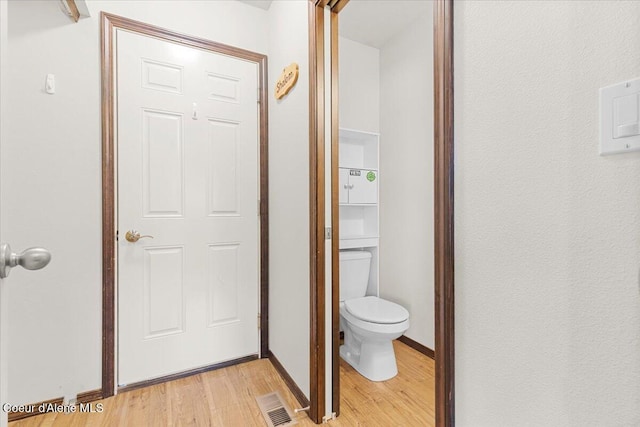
369,323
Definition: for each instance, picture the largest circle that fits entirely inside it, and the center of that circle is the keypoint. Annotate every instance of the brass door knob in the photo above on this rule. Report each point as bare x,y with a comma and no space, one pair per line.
133,236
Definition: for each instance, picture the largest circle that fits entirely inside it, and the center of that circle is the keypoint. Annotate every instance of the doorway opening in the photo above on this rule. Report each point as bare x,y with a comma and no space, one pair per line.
441,221
385,184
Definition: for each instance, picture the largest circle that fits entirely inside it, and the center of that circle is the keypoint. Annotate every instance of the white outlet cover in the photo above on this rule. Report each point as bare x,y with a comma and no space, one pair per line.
620,118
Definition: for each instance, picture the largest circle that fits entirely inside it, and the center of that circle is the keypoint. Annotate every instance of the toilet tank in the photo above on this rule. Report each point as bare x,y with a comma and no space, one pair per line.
354,274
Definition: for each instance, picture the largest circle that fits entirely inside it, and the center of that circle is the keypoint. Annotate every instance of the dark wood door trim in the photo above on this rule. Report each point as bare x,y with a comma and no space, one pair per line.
185,374
109,23
317,206
316,210
108,208
73,10
444,212
443,205
338,5
289,381
335,209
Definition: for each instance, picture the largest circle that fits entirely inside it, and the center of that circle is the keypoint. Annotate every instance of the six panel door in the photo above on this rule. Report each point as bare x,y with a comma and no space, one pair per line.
188,175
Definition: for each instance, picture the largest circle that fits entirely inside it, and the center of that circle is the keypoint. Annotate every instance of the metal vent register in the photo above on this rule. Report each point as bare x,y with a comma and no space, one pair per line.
274,410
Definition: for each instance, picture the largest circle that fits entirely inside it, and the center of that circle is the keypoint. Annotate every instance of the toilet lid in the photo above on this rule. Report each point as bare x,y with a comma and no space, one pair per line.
376,310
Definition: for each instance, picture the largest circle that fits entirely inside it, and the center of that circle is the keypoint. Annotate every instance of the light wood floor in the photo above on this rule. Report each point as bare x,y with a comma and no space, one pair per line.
226,397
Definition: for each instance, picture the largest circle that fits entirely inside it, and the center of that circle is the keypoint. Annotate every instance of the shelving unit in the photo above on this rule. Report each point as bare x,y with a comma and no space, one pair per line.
359,213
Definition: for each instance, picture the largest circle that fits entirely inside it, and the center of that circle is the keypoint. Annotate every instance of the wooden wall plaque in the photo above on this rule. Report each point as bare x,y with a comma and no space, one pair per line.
287,80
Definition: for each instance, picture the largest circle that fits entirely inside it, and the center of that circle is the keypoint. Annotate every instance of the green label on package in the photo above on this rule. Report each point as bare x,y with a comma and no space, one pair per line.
371,176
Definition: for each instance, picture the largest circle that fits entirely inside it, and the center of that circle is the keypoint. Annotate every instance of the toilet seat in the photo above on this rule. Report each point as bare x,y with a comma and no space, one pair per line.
376,310
381,328
370,307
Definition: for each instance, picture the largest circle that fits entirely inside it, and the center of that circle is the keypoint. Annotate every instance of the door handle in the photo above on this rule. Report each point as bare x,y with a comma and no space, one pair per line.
30,259
133,236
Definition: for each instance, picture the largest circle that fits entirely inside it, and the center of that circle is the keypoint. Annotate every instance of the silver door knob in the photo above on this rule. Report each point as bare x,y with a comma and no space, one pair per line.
133,236
30,259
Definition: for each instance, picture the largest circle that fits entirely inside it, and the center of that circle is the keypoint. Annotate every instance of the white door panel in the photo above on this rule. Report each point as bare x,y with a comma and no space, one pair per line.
188,176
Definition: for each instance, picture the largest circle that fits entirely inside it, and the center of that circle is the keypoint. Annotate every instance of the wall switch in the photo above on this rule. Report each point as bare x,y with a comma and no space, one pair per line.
620,118
50,84
625,116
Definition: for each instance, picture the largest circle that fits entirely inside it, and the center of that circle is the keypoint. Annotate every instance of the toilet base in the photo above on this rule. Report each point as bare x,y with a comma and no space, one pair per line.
374,360
368,346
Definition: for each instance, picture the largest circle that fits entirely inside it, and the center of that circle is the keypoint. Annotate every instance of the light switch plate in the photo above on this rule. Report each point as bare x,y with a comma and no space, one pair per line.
620,118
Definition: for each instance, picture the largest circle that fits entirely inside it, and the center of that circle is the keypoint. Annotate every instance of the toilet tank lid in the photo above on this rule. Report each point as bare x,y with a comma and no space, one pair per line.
376,310
348,255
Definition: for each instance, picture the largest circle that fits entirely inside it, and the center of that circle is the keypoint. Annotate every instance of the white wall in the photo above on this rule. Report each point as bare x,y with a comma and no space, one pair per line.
406,176
53,197
359,98
289,193
4,306
547,231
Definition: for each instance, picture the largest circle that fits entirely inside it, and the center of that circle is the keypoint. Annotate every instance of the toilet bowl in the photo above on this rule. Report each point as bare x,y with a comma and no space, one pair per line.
370,323
368,334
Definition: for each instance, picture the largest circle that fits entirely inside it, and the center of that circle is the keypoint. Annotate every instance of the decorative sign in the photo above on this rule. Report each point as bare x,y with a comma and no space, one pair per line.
287,80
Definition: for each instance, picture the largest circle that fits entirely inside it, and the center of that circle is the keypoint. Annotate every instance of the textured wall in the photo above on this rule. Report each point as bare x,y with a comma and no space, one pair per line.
406,171
4,306
547,231
289,194
359,86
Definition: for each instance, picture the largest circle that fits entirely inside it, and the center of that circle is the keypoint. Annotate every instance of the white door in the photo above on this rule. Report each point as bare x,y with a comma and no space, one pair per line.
187,132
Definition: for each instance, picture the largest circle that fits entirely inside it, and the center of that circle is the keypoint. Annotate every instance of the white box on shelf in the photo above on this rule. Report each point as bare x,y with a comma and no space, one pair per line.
358,186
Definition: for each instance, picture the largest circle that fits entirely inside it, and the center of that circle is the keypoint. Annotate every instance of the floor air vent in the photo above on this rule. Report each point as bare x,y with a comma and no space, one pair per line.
274,410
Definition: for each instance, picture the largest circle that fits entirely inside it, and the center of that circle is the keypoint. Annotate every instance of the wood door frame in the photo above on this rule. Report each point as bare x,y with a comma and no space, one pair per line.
316,210
108,25
443,207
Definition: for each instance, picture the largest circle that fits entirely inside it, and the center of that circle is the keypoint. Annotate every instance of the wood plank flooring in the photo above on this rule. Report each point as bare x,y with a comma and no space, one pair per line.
226,397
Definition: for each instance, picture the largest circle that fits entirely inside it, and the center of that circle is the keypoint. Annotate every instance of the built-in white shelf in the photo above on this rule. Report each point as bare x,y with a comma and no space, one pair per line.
358,149
353,242
358,196
358,236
